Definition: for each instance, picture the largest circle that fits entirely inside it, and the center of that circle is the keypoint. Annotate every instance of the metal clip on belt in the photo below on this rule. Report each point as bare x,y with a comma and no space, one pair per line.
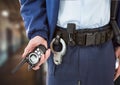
70,30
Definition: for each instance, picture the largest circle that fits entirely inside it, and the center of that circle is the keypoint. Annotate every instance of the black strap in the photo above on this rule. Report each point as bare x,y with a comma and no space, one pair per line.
116,29
114,8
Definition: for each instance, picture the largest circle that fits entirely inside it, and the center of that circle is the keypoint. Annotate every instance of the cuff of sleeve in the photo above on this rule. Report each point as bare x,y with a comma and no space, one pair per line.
115,44
38,33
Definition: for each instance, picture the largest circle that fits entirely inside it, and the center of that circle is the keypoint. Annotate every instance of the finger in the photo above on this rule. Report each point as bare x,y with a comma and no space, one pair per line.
116,54
43,59
36,68
117,73
39,40
28,49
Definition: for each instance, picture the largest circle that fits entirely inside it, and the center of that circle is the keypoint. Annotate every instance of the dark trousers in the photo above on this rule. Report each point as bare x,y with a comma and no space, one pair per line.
91,65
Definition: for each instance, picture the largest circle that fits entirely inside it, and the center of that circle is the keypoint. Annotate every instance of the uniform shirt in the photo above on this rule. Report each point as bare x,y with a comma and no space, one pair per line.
84,13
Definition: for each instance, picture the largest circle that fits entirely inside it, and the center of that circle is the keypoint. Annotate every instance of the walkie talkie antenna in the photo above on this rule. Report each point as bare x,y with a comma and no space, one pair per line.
19,66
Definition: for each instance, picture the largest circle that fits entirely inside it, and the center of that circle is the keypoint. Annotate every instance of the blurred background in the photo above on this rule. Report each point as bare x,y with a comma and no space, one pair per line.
12,43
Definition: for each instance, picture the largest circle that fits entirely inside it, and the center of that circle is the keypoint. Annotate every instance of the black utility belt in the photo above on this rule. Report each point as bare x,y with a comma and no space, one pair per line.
85,37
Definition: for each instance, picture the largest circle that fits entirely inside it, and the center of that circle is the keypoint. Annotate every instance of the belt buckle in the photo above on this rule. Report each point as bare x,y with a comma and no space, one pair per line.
90,38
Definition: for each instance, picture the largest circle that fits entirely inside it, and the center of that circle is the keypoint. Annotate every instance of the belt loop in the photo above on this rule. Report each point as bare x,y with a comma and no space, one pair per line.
70,29
80,39
97,38
90,39
103,37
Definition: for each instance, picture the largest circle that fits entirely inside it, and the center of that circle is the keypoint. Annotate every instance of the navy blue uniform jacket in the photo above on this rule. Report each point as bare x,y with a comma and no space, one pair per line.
40,17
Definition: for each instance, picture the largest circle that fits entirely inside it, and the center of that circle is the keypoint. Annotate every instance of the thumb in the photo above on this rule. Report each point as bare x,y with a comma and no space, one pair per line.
117,52
27,50
117,73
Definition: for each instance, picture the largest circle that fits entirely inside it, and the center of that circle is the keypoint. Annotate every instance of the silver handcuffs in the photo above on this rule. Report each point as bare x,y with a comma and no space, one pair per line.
57,58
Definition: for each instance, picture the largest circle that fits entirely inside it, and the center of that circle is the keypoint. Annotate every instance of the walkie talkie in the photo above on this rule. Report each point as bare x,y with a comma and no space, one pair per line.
32,58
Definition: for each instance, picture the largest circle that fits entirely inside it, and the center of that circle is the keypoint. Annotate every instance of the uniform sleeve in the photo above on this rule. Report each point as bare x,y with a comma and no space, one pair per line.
118,22
34,16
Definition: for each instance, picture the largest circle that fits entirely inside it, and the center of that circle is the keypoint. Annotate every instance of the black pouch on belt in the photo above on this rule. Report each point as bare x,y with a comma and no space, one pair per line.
71,37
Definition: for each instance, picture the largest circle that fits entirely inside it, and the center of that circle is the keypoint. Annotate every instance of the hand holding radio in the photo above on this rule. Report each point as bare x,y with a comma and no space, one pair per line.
33,43
35,53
